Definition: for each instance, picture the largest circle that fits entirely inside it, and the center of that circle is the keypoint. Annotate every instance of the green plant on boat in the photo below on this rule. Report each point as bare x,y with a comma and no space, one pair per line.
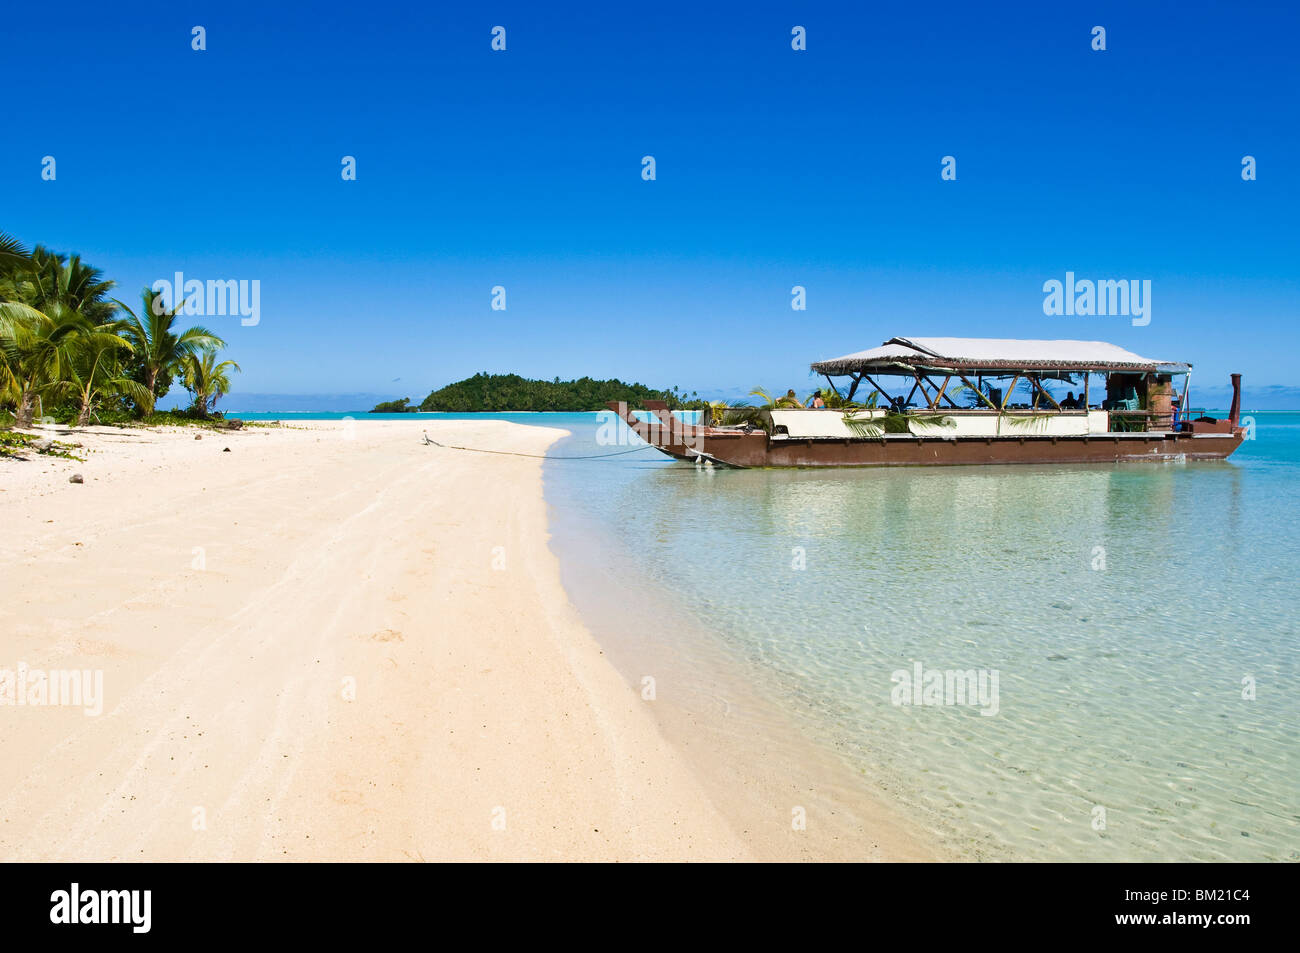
869,426
872,426
1017,421
717,411
834,400
740,413
786,402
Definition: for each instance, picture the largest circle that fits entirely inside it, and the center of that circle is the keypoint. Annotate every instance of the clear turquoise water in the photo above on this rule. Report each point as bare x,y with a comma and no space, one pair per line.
1121,731
290,416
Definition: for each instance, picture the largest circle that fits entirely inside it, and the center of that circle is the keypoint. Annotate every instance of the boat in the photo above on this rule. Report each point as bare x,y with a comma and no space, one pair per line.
939,401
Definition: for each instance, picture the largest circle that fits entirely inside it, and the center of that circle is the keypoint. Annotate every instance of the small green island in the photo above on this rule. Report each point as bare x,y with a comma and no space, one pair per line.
504,393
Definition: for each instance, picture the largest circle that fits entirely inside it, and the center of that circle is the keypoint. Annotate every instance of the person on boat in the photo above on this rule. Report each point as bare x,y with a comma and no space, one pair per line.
817,402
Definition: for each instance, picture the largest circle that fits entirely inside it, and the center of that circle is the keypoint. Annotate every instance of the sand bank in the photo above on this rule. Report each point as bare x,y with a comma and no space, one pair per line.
330,643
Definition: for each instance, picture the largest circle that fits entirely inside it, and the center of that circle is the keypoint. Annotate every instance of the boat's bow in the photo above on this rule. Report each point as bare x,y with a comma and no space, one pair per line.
662,430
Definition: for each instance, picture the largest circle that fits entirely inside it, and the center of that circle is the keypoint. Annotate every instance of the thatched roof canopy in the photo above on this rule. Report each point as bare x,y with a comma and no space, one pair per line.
995,355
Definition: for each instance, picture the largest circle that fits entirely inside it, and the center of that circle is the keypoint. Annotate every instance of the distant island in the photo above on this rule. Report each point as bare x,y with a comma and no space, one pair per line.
503,393
394,407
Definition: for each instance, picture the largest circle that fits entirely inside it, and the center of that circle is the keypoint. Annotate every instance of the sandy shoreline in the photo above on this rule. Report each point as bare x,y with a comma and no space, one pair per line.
331,643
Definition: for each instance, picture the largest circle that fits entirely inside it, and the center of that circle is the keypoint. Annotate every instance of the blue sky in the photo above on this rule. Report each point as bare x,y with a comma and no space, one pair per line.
775,168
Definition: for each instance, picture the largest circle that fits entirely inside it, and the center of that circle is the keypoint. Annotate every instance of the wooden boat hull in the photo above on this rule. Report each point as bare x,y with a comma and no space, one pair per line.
758,449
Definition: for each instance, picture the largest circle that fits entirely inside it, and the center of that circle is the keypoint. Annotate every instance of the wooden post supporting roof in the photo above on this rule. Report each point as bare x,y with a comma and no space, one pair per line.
924,393
1010,390
978,393
1048,396
883,392
943,389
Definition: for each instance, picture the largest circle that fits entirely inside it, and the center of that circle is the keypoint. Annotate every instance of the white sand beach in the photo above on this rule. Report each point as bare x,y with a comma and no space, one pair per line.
331,643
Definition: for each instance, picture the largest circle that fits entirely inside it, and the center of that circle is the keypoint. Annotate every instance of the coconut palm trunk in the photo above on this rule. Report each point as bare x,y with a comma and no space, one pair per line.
26,412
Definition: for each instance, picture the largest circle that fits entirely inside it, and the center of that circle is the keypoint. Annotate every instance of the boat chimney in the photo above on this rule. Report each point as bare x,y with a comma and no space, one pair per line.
1234,412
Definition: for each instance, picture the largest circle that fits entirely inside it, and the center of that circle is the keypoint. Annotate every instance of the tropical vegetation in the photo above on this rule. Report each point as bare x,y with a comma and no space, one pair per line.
71,352
394,407
510,392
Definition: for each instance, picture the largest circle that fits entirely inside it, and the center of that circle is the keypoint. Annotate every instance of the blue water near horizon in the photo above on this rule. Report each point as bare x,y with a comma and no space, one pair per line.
1142,619
291,415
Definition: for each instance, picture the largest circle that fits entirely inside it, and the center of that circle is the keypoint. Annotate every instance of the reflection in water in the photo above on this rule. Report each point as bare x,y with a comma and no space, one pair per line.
1122,606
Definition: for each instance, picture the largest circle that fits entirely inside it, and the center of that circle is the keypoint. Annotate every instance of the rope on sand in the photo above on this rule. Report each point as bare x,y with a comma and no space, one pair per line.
539,456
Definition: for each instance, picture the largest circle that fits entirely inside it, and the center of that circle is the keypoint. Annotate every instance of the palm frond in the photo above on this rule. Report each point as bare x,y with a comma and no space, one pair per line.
1023,421
13,254
868,427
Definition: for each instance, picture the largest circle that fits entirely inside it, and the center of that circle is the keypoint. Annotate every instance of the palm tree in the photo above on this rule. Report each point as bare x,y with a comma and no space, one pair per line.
205,378
37,348
159,350
95,371
51,278
13,255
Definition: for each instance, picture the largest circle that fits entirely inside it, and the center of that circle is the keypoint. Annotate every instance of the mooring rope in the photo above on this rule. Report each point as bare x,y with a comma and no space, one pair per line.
539,456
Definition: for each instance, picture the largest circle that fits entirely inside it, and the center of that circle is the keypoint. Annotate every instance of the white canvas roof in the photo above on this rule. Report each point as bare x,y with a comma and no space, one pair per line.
996,354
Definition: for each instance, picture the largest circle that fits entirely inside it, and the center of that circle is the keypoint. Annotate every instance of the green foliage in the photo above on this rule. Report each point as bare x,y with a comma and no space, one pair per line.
19,445
207,380
158,351
1019,420
393,407
892,423
740,414
13,255
868,426
69,351
774,403
720,412
509,392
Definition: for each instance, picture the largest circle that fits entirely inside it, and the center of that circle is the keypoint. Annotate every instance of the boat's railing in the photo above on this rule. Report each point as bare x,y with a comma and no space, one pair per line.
1187,414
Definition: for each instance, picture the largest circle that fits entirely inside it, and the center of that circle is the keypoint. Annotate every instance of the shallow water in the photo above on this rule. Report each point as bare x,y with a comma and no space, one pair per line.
1126,611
